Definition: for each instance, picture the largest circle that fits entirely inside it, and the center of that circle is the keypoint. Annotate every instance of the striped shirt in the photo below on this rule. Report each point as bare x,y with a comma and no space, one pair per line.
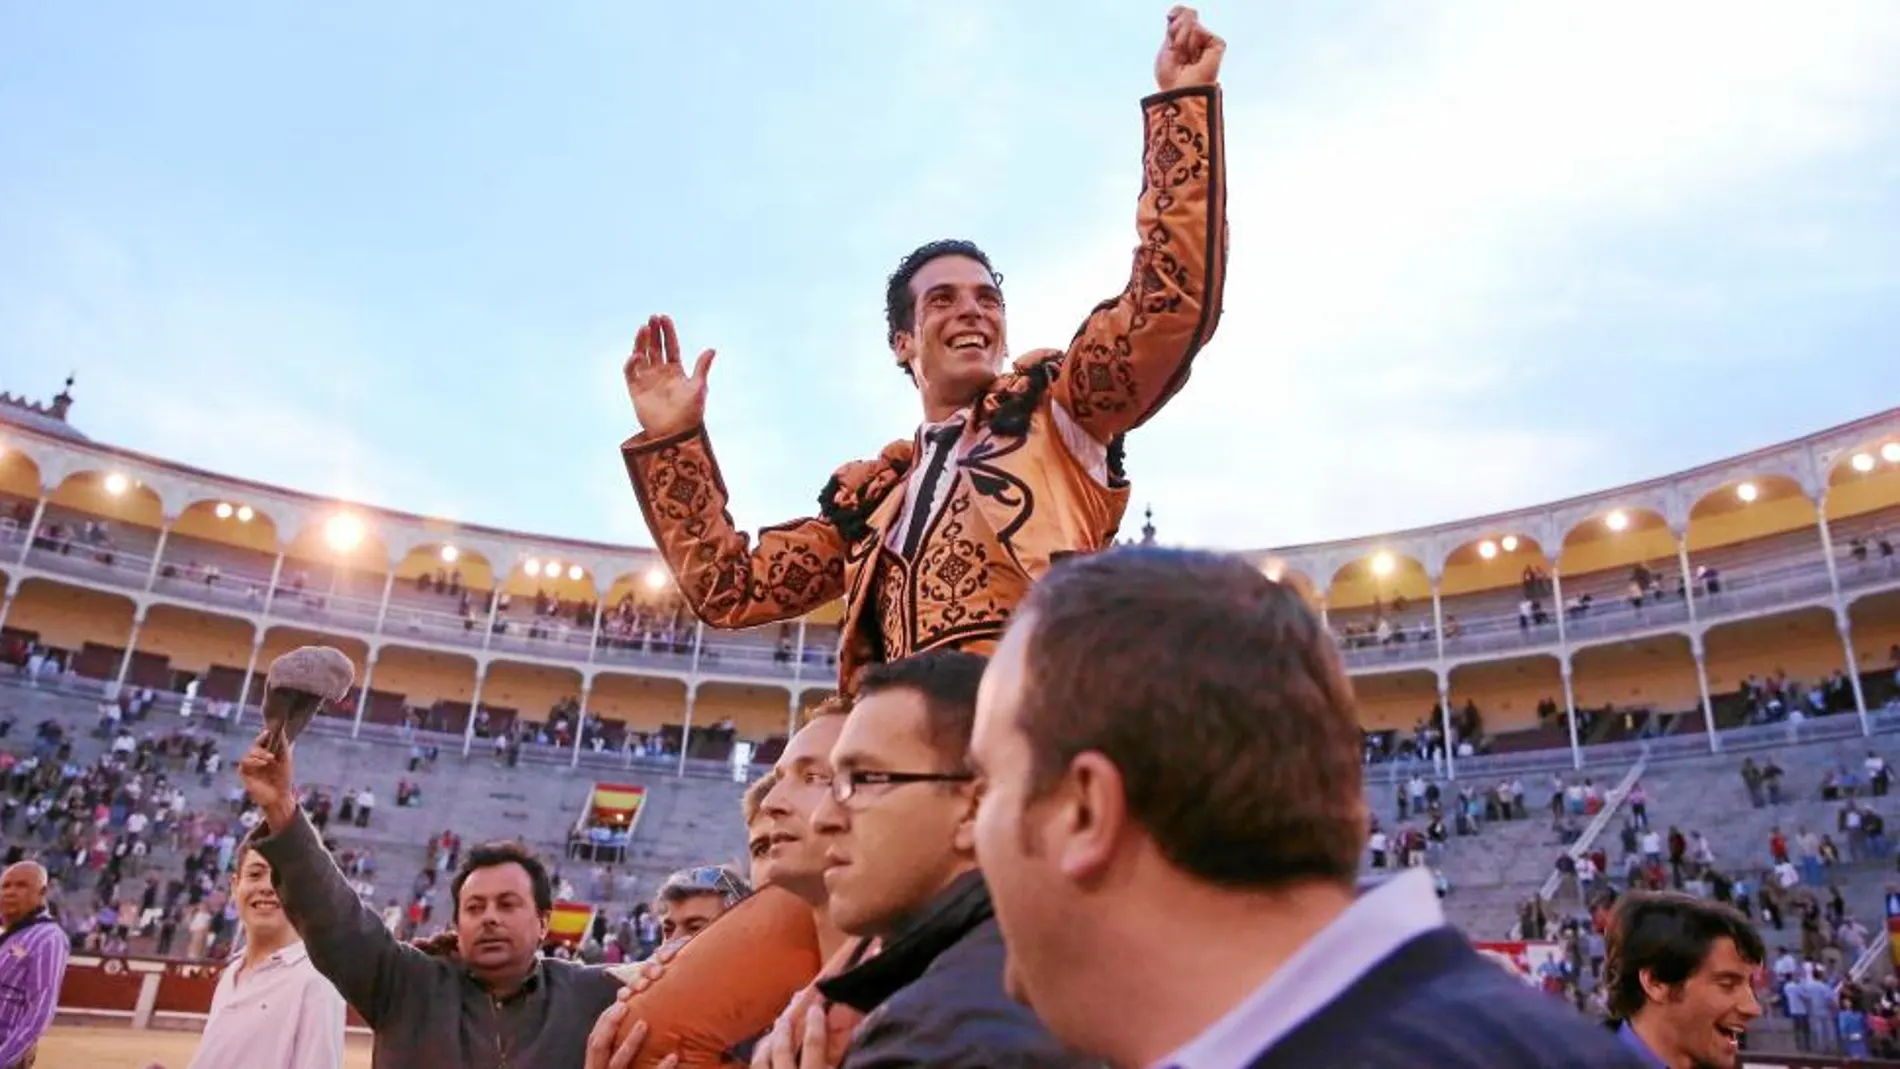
32,964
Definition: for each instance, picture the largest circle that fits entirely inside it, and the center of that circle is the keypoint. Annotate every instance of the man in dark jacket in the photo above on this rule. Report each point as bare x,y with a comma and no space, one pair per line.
495,1003
901,870
1172,819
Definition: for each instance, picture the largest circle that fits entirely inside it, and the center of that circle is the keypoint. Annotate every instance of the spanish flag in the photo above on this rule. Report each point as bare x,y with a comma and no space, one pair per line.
570,922
616,805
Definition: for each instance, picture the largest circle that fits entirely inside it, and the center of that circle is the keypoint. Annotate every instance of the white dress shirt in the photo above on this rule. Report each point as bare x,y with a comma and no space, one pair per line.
282,1014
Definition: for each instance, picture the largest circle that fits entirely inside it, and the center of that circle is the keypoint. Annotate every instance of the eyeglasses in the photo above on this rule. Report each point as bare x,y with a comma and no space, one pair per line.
845,783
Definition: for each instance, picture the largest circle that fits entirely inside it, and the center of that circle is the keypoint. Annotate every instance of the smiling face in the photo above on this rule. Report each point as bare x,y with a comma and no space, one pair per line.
1705,1016
258,907
794,856
958,337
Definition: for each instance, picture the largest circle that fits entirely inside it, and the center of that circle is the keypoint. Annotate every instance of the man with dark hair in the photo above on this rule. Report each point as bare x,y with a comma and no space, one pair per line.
1680,979
934,542
1171,821
900,870
495,1002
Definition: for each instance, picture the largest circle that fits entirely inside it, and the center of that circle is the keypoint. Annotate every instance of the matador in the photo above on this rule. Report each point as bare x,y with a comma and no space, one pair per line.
935,541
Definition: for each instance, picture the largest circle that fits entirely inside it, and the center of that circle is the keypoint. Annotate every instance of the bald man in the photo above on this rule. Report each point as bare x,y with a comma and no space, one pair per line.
32,963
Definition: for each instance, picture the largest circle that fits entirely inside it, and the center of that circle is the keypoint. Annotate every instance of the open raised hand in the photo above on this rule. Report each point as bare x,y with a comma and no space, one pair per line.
666,400
1190,53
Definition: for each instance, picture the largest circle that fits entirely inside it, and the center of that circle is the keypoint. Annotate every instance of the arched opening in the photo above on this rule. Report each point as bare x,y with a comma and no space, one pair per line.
1875,621
1762,668
542,699
725,714
441,594
1510,706
178,647
1754,542
1620,572
547,608
99,525
1394,707
1641,688
1498,595
432,688
634,709
84,630
1379,606
19,485
1863,515
219,552
334,570
645,624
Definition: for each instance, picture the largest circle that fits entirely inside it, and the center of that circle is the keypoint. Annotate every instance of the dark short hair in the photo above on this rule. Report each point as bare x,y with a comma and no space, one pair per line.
494,855
1669,935
1220,698
947,680
900,304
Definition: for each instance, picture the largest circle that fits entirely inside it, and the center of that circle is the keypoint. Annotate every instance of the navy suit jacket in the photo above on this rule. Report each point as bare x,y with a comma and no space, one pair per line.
1436,1004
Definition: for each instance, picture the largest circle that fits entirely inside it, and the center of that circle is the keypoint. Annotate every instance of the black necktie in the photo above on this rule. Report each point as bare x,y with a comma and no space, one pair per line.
944,440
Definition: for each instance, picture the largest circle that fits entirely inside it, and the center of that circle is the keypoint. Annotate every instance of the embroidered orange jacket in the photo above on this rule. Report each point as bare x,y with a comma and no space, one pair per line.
1020,500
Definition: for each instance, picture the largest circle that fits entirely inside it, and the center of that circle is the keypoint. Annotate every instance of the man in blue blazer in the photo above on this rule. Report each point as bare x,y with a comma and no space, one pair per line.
1171,823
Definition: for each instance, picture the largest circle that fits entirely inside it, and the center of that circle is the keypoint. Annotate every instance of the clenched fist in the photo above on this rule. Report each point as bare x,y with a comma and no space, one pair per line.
1190,53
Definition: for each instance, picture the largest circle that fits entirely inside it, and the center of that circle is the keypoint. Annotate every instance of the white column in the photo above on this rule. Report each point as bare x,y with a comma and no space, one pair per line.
580,725
1438,620
1688,578
6,603
1570,712
494,608
1444,719
33,529
1844,623
686,729
382,609
593,644
131,643
791,715
474,706
250,672
1827,551
1702,683
798,659
276,576
158,551
362,694
1563,661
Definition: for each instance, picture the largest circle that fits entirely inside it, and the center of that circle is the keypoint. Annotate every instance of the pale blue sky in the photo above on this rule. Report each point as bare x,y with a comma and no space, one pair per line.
1484,254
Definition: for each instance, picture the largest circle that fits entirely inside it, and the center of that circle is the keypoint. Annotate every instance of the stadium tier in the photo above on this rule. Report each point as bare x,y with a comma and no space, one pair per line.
1676,607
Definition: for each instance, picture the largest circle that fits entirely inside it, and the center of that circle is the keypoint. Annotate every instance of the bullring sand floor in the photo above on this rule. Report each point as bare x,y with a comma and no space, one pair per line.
103,1047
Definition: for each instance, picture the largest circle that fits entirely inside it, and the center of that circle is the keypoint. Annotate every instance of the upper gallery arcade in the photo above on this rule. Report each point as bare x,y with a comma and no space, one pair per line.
1664,594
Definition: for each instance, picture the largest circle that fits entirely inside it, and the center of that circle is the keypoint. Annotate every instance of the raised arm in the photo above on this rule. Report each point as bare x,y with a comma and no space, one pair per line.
726,581
347,941
1134,351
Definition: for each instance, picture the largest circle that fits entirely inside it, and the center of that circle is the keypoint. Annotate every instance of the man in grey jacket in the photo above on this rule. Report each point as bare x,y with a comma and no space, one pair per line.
497,1004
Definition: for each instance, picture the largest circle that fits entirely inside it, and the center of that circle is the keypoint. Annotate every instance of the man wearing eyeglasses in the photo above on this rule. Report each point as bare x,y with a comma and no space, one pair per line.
901,869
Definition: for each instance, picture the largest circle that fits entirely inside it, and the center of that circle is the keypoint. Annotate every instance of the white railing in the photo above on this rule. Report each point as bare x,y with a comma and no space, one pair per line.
1612,801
